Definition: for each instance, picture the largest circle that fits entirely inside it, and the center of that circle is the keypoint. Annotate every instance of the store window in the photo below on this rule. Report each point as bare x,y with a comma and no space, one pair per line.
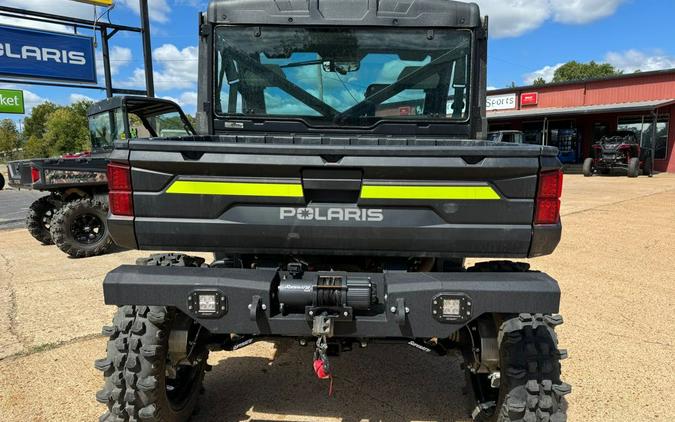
649,130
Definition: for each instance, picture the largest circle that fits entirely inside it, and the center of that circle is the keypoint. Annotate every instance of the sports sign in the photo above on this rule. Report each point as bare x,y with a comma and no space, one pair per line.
30,53
11,101
501,102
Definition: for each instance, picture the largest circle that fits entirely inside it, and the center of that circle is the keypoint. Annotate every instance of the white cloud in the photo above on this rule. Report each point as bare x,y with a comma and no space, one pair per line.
512,18
74,98
628,61
187,99
159,9
175,69
24,23
62,7
633,60
583,11
546,72
119,57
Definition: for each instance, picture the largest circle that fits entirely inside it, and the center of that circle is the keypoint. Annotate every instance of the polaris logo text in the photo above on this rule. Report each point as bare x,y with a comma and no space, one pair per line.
28,52
331,214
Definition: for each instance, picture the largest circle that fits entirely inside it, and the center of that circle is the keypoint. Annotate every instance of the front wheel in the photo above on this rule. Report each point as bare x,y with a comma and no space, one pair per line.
648,168
588,167
80,228
154,366
633,167
527,384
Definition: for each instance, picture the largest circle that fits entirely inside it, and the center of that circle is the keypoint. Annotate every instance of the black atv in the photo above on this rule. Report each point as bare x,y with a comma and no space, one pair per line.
620,150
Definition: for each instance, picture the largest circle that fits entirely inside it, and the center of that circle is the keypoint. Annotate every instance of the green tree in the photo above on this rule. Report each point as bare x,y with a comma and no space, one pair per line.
35,125
9,138
575,71
36,148
67,131
539,81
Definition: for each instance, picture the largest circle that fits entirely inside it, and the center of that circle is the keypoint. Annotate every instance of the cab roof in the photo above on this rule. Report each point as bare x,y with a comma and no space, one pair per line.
389,13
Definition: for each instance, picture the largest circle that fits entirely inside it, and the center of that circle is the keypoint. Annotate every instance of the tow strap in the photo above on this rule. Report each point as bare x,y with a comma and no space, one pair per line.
321,364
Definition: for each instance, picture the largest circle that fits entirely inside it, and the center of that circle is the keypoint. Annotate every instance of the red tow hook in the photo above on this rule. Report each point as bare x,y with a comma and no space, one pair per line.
321,364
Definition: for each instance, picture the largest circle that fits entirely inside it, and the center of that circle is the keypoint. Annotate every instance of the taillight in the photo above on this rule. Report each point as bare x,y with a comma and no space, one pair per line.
34,174
548,197
119,190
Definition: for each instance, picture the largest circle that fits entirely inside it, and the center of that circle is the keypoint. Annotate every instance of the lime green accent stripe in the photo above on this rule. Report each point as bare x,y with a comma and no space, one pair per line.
286,190
429,192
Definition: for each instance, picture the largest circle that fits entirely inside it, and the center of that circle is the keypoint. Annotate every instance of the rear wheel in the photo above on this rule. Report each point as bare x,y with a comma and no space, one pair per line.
154,366
633,167
527,386
588,167
2,181
80,228
39,218
156,359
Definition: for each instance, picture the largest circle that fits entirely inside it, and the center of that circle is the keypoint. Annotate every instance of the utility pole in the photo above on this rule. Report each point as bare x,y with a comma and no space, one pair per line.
147,49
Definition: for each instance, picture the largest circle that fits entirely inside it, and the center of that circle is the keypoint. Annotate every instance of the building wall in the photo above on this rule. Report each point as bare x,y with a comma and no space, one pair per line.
614,91
648,87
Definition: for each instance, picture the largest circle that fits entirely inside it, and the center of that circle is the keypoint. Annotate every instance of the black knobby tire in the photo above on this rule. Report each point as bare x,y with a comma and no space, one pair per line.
648,168
39,218
530,387
633,167
135,369
80,228
2,181
588,167
137,352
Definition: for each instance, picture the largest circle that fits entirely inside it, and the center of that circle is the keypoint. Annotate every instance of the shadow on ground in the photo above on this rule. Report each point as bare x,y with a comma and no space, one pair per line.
379,383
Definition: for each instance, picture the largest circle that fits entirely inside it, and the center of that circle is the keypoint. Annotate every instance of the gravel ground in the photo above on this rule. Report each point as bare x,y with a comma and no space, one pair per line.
615,266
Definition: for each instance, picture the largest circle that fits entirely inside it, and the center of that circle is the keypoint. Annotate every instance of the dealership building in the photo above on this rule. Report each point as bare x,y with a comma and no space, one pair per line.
572,116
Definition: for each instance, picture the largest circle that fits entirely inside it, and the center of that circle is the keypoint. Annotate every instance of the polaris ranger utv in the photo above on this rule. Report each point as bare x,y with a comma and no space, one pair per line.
73,215
341,179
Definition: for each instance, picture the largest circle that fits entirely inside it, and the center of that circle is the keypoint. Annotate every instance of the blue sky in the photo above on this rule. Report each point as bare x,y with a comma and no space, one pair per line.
529,38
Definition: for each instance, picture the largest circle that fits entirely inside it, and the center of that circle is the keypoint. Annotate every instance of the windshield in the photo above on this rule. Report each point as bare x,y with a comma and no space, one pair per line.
329,76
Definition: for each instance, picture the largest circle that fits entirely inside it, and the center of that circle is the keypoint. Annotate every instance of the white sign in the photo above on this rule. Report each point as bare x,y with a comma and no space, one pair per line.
501,102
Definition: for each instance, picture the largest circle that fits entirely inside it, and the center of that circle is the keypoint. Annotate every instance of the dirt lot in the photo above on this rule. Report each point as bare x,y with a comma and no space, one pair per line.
615,266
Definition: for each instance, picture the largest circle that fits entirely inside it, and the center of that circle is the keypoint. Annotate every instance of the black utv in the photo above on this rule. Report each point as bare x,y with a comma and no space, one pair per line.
340,178
73,214
620,150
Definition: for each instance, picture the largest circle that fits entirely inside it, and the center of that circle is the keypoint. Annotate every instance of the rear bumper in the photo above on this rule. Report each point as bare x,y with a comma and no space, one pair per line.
251,301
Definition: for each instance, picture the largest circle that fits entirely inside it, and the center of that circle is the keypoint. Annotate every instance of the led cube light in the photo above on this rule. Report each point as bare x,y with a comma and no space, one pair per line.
451,307
207,304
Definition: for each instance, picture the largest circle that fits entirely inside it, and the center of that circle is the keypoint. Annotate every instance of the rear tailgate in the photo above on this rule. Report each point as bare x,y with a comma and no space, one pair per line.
453,198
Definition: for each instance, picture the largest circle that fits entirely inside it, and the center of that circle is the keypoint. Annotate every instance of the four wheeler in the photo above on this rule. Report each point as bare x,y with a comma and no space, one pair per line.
619,150
74,214
332,220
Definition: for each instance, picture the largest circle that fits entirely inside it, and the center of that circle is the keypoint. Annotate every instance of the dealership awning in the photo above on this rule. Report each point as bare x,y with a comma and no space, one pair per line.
569,111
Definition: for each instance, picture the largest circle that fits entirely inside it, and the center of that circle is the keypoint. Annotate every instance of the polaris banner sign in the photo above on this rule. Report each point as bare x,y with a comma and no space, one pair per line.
29,53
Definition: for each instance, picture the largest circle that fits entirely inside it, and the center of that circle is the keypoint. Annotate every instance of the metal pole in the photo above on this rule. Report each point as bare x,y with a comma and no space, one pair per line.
106,63
147,49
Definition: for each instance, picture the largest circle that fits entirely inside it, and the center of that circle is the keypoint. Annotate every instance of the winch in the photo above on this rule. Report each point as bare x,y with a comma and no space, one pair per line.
327,292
